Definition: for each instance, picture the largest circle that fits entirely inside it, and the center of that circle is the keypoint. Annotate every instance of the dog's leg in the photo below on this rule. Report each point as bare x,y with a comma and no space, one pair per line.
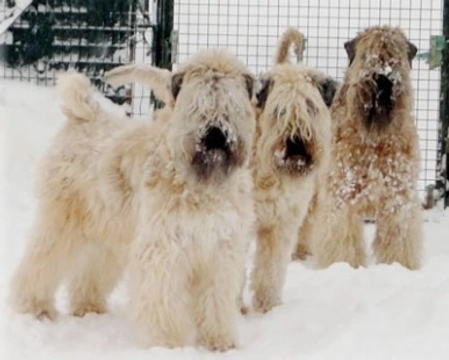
48,259
89,288
160,298
339,238
215,298
399,237
240,302
274,249
302,249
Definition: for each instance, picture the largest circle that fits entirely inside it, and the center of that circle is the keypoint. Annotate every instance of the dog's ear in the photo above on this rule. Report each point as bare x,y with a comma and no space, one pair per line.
176,83
250,82
328,88
350,49
412,50
264,90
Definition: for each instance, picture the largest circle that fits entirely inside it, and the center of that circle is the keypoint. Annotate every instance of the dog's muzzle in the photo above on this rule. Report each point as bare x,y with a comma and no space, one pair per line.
296,156
383,94
215,152
215,139
379,106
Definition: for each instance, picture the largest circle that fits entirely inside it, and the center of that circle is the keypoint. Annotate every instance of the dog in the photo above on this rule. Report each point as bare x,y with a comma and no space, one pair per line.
290,156
188,260
172,198
374,165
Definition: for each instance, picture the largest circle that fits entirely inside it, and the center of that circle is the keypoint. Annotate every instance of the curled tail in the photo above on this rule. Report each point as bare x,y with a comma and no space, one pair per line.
156,78
78,96
291,36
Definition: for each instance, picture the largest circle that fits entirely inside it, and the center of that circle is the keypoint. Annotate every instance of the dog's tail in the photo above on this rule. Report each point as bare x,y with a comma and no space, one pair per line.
156,78
291,36
78,96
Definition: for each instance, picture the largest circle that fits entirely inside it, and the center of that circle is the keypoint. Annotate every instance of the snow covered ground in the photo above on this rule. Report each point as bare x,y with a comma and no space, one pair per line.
379,312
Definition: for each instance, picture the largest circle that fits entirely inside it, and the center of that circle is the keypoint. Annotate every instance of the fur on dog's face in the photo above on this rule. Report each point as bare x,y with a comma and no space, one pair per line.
214,119
294,119
378,76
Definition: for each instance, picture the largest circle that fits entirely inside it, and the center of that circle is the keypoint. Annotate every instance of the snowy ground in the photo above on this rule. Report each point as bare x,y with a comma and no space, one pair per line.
380,312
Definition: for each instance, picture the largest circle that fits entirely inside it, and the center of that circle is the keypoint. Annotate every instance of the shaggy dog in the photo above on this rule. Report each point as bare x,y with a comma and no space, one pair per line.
291,156
175,195
375,156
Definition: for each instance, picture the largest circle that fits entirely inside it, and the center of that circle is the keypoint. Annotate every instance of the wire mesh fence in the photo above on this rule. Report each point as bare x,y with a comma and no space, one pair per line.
252,28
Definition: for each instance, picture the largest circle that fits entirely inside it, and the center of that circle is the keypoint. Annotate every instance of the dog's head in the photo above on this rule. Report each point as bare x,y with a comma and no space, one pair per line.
378,76
213,120
294,119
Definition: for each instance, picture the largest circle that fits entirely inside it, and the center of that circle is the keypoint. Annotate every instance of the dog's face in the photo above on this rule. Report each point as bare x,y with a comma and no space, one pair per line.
294,120
378,76
214,119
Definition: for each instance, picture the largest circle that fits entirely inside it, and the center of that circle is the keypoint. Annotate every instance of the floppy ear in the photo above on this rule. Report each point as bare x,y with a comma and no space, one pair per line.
176,83
328,88
412,50
263,92
350,49
250,81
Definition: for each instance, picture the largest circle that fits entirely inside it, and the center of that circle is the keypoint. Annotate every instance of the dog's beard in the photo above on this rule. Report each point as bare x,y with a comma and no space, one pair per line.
376,99
294,155
216,153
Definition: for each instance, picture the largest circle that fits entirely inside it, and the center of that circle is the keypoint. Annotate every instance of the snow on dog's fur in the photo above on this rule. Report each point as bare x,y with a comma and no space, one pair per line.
375,156
176,194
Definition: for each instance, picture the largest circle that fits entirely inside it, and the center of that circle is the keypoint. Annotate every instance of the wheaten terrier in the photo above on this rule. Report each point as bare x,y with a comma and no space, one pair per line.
188,261
290,156
375,156
179,189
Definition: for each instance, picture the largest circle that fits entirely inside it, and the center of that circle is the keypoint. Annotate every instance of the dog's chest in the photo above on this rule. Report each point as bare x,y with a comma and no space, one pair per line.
369,174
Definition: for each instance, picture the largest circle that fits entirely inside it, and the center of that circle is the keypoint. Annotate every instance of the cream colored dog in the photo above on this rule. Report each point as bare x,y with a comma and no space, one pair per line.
290,158
178,190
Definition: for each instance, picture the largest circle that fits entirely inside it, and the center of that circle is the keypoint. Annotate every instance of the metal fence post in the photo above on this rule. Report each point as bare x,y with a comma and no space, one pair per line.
442,156
162,56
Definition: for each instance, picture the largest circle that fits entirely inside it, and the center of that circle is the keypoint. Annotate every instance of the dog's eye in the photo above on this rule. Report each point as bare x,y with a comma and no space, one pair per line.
279,111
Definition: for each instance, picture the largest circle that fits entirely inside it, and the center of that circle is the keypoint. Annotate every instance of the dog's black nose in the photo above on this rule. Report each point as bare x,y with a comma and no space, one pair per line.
384,84
214,139
295,147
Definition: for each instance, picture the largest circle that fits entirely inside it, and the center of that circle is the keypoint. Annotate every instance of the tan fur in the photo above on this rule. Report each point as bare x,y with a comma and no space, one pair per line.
294,107
374,167
290,37
157,79
110,186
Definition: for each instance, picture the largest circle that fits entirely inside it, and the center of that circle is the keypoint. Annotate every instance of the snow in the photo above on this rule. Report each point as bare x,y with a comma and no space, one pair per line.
378,312
11,15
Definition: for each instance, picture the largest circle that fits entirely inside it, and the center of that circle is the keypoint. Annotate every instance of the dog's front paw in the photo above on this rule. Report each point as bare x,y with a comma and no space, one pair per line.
82,310
47,314
219,343
263,304
41,310
300,254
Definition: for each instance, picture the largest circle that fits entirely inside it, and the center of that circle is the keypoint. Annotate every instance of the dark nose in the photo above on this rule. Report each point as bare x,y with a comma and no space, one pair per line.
295,147
384,84
214,139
